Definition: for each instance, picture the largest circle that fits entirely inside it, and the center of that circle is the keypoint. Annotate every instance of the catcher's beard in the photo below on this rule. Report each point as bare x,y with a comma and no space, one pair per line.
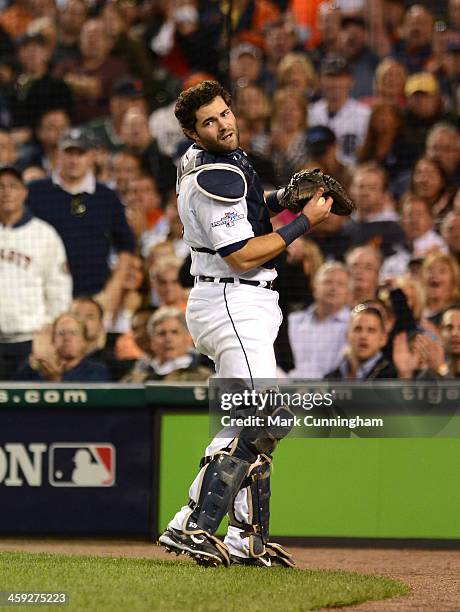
215,146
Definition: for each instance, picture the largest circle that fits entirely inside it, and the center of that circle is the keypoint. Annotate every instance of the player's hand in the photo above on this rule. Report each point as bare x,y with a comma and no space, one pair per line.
317,208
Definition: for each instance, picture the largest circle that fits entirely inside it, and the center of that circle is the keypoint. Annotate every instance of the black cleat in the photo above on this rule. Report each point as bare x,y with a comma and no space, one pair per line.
204,548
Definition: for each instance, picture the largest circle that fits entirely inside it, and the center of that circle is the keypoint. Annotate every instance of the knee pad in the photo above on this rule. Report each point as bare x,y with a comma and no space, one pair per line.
221,480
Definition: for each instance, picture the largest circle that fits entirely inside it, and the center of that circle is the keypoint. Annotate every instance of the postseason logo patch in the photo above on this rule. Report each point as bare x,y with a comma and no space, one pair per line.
229,219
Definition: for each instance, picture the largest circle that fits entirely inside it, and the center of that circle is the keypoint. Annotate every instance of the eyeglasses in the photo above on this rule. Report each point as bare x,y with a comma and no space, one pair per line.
68,332
11,187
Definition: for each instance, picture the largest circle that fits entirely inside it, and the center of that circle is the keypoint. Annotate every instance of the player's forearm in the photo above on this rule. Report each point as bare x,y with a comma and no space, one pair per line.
259,250
256,252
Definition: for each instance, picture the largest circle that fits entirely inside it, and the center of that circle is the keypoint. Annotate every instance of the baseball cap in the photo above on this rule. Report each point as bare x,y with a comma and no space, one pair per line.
11,169
245,49
319,138
423,82
75,139
128,87
334,65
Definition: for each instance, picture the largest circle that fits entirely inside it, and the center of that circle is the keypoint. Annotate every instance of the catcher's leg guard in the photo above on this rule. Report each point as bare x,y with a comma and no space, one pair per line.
220,482
256,528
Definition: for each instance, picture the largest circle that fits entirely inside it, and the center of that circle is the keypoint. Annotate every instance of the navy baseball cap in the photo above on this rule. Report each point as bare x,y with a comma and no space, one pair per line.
334,65
128,87
75,139
11,169
319,138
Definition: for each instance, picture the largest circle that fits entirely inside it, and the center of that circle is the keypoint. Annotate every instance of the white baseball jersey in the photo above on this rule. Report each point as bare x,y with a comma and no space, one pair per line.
36,284
349,125
213,223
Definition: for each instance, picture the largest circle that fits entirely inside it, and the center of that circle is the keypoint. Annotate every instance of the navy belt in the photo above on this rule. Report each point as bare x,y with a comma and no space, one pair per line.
242,281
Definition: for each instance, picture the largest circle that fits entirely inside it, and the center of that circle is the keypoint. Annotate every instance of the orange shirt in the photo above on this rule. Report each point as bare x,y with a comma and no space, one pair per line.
305,12
15,20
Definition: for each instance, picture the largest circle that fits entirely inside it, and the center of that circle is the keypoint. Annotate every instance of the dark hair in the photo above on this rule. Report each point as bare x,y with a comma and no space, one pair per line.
436,164
190,100
144,310
86,299
367,308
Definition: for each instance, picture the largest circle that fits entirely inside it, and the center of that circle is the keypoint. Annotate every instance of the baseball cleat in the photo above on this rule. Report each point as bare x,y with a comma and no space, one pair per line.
263,561
205,549
275,556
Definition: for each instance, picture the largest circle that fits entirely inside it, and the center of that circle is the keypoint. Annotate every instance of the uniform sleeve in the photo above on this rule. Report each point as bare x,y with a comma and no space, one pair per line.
224,223
57,281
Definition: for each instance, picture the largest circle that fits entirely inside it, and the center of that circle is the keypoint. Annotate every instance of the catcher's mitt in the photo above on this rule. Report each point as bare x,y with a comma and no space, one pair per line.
303,186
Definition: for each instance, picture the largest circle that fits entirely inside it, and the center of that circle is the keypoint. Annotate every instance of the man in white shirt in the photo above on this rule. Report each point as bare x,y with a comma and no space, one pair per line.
346,117
36,284
318,334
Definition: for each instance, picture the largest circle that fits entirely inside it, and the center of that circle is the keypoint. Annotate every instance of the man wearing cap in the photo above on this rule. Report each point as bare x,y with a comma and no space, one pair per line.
424,109
127,93
346,117
36,285
245,64
88,216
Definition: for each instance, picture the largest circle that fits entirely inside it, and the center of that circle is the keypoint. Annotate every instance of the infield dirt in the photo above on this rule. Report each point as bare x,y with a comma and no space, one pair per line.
433,575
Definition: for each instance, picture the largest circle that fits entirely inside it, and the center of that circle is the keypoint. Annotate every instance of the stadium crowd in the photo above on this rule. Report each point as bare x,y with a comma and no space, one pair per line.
94,274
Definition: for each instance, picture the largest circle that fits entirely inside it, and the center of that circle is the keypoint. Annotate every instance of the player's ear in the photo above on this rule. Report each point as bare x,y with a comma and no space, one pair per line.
190,134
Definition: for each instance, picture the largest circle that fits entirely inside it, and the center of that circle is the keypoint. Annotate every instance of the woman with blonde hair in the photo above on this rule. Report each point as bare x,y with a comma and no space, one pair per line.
441,282
390,79
296,71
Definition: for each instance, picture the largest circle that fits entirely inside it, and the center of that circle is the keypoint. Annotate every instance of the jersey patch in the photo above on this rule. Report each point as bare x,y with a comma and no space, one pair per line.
229,219
222,182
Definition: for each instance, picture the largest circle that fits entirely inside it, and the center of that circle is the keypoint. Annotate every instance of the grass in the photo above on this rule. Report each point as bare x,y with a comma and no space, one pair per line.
108,584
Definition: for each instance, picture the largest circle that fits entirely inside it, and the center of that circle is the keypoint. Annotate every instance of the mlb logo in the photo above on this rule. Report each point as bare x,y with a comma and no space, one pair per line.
73,464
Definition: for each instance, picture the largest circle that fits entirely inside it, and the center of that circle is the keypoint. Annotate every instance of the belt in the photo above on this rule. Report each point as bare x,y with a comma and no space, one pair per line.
241,281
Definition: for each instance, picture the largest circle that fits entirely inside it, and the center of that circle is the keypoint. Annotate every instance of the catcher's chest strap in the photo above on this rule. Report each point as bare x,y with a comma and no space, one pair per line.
203,250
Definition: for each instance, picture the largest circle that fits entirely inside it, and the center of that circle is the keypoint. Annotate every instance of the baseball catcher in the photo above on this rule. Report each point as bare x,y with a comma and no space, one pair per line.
303,185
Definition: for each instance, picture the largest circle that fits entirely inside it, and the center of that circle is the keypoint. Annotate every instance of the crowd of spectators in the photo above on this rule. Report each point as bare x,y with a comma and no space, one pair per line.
93,269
